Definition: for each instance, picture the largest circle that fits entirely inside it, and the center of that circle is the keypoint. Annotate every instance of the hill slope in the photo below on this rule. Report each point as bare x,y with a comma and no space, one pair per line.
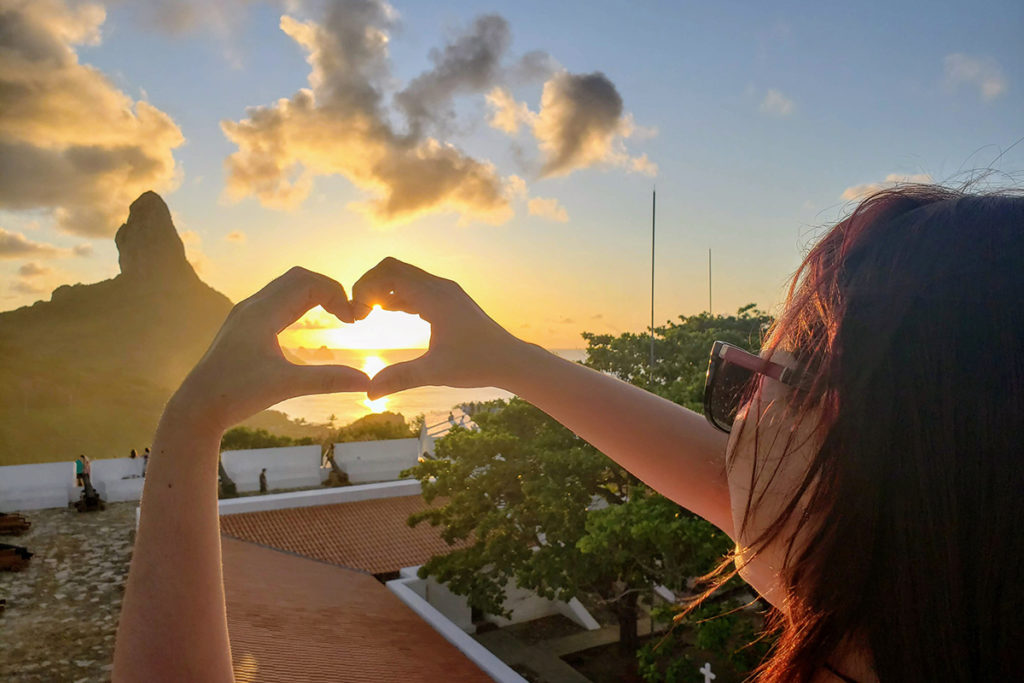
90,370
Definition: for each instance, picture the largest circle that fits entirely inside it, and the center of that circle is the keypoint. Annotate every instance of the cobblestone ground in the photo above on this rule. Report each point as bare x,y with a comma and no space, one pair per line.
62,609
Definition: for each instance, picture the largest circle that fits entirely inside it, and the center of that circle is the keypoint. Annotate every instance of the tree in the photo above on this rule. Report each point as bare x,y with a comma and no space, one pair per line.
520,492
680,352
539,507
243,438
375,427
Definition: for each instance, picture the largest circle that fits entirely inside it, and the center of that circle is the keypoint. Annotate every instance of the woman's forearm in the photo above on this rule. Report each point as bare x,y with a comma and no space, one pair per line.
672,449
173,623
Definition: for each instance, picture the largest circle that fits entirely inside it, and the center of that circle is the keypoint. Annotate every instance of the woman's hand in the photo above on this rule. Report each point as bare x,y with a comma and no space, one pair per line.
244,370
467,348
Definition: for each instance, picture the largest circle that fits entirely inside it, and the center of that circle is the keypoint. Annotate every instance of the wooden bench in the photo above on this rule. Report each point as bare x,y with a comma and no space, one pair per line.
13,558
13,524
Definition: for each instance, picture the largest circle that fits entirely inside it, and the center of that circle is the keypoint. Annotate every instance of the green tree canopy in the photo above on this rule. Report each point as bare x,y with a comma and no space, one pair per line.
543,509
680,352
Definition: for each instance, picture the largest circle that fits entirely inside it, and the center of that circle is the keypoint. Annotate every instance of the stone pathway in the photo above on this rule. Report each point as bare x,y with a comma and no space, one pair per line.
62,609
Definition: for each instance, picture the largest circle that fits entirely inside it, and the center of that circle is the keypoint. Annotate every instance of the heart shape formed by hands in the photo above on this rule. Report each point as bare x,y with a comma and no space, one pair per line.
466,348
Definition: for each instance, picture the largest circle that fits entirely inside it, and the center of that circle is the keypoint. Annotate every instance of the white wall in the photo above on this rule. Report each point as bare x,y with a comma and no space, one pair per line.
117,479
525,605
328,496
369,461
287,468
34,487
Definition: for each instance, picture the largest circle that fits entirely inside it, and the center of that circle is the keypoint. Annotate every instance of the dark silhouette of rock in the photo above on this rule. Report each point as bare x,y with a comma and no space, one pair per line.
90,370
150,250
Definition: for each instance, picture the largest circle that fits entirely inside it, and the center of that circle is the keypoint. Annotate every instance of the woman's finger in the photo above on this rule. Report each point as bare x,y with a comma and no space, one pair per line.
302,380
401,376
287,298
395,286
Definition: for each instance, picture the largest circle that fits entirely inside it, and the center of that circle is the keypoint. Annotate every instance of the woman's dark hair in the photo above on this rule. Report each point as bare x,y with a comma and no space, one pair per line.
133,454
909,316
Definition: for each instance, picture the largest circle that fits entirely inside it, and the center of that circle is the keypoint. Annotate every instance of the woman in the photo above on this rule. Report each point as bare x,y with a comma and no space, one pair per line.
870,478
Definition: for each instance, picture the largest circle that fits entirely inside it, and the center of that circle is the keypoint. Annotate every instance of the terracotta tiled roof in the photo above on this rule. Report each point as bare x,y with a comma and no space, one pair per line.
295,619
371,535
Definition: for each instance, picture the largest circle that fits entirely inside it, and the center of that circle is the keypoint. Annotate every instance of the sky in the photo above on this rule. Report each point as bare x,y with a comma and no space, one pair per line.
512,147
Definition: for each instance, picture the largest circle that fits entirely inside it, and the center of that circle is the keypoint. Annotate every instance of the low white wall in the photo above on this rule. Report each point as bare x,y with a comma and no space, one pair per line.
474,651
454,607
330,496
34,487
287,468
368,461
117,479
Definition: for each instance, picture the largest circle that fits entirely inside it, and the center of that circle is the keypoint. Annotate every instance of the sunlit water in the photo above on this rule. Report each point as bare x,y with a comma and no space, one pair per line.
432,402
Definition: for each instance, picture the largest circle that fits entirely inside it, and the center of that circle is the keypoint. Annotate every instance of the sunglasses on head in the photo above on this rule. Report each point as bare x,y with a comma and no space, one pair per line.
730,381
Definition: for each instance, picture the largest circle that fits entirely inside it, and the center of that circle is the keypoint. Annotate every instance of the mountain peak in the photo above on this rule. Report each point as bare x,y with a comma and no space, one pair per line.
149,248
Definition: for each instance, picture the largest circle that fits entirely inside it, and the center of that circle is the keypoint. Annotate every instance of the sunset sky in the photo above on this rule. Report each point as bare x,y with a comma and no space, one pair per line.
512,147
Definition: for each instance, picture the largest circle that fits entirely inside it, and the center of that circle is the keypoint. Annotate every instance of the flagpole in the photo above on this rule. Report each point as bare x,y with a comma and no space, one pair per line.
654,204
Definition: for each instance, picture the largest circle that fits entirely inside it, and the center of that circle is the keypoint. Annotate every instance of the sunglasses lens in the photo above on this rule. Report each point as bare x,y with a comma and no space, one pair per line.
731,387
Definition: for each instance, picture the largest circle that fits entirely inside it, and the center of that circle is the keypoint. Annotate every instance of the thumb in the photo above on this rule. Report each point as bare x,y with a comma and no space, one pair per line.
398,377
325,379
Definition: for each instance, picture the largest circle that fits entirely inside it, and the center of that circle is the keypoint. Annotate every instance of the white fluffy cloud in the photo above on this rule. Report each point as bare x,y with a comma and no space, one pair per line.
777,104
70,141
982,73
857,192
581,123
340,124
548,207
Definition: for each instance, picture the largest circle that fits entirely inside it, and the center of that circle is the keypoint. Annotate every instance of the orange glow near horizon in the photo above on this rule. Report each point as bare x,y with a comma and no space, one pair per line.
379,330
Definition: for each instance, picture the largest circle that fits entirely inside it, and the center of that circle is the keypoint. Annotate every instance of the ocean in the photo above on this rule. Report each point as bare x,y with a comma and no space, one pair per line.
434,403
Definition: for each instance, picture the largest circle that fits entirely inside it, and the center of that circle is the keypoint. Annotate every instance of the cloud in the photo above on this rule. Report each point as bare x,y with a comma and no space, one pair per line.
858,192
33,269
548,208
581,123
468,64
506,113
27,287
340,126
82,249
70,141
984,73
777,104
15,245
515,187
236,236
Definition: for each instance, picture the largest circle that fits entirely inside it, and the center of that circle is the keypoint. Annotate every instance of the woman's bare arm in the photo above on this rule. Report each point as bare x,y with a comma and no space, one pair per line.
671,448
173,623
